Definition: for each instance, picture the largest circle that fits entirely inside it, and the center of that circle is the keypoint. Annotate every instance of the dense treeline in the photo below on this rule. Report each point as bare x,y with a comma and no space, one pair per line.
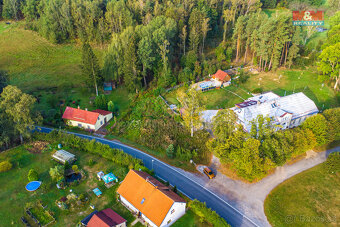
253,155
150,40
149,123
329,59
164,42
270,41
115,155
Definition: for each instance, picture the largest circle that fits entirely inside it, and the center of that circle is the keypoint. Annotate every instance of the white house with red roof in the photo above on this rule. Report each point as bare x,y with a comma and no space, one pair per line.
89,120
221,77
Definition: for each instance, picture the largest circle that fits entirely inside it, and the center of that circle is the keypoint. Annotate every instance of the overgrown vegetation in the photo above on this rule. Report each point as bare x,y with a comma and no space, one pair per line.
150,123
115,155
206,214
252,155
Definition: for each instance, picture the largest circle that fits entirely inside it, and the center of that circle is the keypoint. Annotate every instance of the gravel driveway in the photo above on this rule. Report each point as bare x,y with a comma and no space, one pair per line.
249,198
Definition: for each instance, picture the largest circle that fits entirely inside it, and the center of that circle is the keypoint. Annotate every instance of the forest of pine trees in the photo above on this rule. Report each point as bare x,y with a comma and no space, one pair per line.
165,42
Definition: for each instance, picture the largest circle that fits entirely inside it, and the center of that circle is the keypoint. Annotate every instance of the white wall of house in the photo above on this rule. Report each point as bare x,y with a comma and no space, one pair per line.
128,204
81,125
176,211
100,122
298,121
121,225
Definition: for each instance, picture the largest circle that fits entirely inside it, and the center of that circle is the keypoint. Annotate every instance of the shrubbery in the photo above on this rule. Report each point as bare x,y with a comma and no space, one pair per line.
206,214
5,166
115,155
252,155
333,163
33,175
150,124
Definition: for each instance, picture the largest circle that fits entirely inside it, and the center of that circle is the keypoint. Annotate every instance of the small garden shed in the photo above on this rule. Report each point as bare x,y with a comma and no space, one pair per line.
63,156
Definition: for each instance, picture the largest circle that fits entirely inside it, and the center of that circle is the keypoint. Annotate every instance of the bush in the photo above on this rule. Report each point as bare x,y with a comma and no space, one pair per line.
75,169
206,213
170,151
319,126
91,146
257,90
33,175
91,162
5,166
333,163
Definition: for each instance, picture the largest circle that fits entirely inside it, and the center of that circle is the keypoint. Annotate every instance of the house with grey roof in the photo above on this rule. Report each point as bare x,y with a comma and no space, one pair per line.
285,112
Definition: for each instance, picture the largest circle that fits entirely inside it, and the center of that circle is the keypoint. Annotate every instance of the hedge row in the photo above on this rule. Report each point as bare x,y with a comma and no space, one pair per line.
206,214
115,155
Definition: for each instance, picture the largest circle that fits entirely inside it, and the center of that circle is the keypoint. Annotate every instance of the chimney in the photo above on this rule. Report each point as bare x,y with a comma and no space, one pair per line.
86,109
78,107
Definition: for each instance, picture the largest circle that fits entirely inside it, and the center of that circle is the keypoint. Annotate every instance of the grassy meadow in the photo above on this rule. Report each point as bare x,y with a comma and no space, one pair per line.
311,198
49,71
282,82
286,82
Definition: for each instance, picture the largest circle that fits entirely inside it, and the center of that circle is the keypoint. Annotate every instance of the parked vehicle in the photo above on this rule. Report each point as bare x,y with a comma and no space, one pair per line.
209,173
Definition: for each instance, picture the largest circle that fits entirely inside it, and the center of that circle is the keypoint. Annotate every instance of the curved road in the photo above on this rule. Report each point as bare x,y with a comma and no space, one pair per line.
187,186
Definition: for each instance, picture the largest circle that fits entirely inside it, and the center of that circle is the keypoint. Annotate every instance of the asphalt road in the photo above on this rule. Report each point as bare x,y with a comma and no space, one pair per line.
184,184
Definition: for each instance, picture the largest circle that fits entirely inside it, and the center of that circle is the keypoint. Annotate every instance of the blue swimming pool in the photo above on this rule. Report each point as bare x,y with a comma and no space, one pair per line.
33,185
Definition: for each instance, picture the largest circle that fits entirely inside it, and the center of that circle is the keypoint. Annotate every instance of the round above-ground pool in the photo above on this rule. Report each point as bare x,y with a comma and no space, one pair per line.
33,185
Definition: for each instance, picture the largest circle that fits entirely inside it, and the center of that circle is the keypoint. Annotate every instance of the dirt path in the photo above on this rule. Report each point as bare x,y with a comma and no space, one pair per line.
249,198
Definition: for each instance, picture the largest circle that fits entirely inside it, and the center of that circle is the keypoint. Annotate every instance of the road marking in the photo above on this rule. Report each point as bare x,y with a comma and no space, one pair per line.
141,152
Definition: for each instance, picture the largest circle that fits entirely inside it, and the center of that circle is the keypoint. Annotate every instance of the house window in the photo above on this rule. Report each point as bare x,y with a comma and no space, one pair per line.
80,125
142,201
173,211
169,221
101,122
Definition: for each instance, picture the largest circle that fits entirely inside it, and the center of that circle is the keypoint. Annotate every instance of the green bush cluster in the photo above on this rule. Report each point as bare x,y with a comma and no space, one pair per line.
333,163
115,155
33,175
150,124
206,214
5,166
252,155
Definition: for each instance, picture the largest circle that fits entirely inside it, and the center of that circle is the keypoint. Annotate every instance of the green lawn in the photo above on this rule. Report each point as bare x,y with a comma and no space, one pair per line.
311,198
216,98
295,81
13,195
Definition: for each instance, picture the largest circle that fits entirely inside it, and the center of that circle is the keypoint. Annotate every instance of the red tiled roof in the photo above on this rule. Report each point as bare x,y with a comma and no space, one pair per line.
148,195
221,75
105,218
102,112
80,115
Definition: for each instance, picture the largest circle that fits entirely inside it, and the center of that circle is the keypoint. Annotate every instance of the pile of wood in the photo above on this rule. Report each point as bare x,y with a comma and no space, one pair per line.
37,146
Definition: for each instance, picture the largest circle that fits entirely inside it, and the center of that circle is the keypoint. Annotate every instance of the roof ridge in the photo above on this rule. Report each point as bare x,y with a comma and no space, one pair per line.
157,187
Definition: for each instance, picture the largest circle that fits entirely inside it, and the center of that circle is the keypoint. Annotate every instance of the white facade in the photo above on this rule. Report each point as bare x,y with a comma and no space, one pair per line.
285,112
176,211
99,123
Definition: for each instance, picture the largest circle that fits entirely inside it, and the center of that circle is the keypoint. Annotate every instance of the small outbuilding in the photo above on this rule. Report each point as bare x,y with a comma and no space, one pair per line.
97,192
109,179
63,156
